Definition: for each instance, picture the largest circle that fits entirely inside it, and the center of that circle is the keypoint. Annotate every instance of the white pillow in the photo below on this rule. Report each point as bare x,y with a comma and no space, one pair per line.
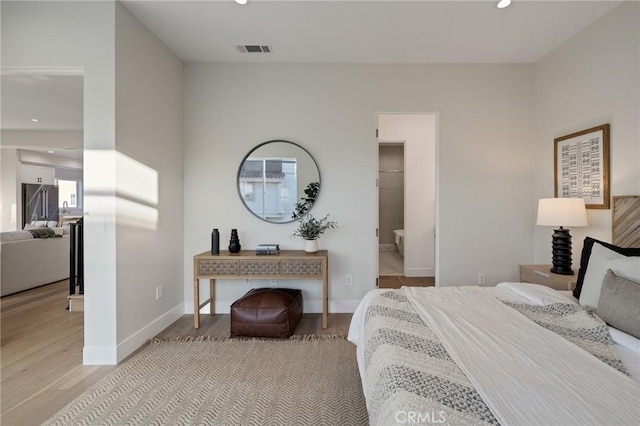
47,223
32,226
600,260
44,223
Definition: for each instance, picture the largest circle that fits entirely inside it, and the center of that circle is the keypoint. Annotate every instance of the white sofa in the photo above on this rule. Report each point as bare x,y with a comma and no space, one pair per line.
28,262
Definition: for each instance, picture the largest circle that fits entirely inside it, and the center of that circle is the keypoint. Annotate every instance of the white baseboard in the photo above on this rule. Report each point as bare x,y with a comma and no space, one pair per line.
140,337
420,272
342,306
111,355
310,307
99,355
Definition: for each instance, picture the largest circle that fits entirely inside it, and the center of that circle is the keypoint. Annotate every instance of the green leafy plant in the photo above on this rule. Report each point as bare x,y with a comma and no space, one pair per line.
305,203
311,228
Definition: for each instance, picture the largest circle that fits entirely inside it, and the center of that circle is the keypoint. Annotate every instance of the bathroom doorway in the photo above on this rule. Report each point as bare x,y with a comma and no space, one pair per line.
406,216
391,208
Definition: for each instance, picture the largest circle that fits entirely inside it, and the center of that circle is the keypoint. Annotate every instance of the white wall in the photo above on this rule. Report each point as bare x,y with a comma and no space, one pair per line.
419,132
8,174
590,80
149,183
486,167
84,38
78,38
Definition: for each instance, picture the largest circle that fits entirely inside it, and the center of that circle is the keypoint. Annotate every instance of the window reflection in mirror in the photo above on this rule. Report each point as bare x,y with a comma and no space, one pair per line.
278,181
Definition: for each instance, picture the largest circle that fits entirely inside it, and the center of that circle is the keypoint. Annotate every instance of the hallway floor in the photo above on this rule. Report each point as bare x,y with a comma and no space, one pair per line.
391,273
391,263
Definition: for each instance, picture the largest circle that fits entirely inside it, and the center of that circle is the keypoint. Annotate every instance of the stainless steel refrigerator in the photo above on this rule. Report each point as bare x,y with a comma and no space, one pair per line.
39,202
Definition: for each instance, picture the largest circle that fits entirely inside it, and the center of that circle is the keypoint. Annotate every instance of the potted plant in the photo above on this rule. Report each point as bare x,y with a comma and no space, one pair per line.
310,229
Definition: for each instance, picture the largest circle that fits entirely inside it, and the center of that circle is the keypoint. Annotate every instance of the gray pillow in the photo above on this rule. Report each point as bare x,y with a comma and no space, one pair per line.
619,304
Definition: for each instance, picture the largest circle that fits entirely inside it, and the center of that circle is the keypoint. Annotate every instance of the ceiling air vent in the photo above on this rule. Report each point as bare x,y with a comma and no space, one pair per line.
254,48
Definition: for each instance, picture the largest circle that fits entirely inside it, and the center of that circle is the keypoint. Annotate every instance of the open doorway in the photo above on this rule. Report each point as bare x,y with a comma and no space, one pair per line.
391,209
42,126
406,216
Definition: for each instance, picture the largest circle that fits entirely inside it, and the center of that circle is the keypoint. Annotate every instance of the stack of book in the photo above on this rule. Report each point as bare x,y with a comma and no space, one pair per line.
268,249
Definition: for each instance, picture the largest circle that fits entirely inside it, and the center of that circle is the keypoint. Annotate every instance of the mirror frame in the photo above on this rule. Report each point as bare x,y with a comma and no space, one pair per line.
249,154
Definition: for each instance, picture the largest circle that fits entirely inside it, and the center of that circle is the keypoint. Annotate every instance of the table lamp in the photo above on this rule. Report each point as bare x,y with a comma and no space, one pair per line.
561,212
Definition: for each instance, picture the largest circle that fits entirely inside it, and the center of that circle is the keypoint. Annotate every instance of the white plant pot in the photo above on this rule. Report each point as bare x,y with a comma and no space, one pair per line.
311,246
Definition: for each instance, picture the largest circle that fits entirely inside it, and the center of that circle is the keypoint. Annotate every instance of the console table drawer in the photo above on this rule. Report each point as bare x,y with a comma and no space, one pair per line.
259,267
312,267
217,267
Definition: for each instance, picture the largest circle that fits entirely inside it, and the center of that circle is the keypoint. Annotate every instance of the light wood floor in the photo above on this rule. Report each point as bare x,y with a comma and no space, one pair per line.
41,351
398,281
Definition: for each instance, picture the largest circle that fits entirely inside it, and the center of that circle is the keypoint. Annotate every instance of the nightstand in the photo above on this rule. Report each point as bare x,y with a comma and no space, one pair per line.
541,274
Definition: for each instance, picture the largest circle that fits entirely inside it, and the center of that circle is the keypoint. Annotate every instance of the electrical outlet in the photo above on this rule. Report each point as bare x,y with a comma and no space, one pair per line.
274,283
159,291
349,279
482,278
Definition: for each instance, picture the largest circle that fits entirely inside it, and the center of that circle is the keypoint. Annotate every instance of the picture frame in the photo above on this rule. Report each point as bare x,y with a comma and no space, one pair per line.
625,221
581,166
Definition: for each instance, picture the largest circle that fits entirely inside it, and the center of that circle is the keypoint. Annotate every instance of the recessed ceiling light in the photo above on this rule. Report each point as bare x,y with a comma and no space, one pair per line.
50,152
503,3
35,120
241,1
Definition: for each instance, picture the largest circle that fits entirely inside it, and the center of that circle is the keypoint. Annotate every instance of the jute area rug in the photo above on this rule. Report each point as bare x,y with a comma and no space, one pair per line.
222,381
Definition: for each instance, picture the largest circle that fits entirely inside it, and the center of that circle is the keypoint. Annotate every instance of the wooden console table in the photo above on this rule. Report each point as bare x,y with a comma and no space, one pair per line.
288,265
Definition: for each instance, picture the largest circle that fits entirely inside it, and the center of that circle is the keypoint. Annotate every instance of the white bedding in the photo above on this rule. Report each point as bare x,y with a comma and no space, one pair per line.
465,320
627,346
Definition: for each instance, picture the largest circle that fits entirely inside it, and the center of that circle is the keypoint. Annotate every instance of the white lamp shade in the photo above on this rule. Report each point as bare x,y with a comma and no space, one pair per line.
562,212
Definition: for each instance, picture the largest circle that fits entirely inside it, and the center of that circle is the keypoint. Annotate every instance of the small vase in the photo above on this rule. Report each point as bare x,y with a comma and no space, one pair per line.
311,246
234,242
215,241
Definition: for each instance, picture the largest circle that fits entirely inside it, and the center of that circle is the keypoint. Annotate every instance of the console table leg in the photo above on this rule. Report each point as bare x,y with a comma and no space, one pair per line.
212,296
325,299
196,304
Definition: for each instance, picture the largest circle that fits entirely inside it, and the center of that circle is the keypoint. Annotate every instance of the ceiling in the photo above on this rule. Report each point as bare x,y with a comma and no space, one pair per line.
55,101
364,31
326,31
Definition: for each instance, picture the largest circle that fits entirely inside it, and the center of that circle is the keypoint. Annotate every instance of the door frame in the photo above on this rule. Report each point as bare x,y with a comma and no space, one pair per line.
376,164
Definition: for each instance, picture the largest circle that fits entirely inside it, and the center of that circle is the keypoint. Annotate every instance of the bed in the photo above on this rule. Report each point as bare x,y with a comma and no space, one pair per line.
513,354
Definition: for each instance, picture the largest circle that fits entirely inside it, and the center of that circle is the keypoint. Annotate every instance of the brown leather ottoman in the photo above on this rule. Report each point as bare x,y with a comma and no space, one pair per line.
266,312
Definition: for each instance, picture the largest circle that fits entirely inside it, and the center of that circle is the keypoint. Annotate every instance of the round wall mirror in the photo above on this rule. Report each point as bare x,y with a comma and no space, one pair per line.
278,181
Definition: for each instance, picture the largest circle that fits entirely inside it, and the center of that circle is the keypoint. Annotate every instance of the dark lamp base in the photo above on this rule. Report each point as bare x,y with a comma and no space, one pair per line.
561,252
562,271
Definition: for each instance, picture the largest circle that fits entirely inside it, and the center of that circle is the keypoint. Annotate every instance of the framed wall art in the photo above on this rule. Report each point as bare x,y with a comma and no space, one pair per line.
581,162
